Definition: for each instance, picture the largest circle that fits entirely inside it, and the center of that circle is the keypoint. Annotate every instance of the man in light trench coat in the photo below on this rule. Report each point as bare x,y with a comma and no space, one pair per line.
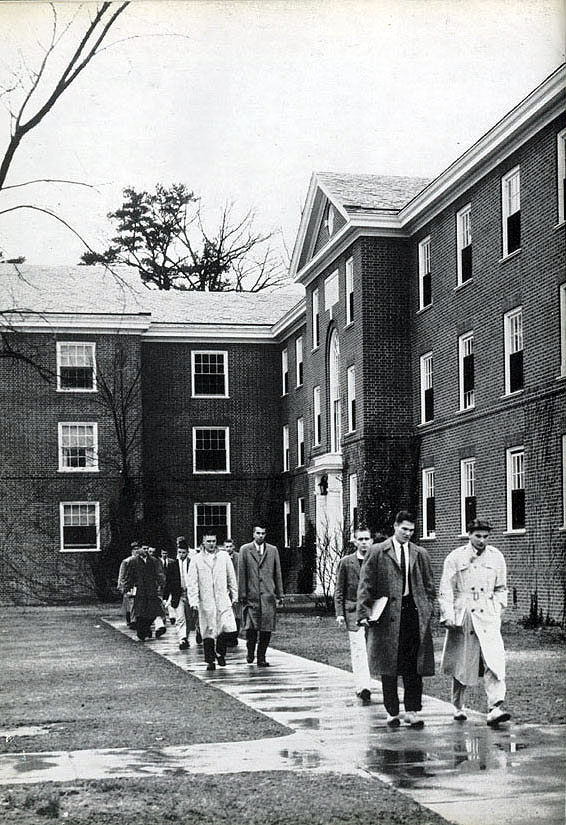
261,588
213,589
400,641
473,594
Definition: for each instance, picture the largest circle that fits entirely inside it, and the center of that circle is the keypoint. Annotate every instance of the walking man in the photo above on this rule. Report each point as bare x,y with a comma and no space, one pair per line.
122,585
145,573
345,600
212,588
176,581
473,595
400,641
261,588
230,548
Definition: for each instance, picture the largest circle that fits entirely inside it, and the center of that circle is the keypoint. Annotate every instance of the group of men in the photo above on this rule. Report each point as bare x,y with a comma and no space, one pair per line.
213,591
385,597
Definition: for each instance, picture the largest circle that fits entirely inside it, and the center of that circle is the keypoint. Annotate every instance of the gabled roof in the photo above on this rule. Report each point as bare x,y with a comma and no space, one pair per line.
355,192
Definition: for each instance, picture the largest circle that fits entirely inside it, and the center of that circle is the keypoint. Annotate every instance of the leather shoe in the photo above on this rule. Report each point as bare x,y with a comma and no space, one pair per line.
250,657
393,721
263,664
365,696
211,666
221,661
160,631
183,644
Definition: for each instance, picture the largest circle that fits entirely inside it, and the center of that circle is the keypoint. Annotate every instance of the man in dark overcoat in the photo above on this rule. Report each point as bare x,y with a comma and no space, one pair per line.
400,641
147,575
260,586
230,548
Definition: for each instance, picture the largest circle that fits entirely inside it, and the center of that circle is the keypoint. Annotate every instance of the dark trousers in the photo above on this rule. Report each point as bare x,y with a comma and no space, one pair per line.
409,643
214,648
143,626
251,641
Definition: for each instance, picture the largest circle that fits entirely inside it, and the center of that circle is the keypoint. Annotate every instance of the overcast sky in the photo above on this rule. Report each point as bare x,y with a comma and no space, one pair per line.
242,101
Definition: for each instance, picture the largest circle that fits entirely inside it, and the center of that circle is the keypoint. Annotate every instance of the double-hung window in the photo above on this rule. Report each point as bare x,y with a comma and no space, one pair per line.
80,526
76,367
464,243
300,442
563,330
427,389
212,517
349,291
210,374
287,522
211,449
515,489
561,157
317,422
429,509
315,320
466,370
513,324
511,211
353,491
285,371
351,398
467,492
302,521
331,291
78,446
299,360
425,277
286,451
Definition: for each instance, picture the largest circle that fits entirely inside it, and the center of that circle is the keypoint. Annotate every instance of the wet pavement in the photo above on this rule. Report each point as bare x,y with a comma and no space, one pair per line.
466,772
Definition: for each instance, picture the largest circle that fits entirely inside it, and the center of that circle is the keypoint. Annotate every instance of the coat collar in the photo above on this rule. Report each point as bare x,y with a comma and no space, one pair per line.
391,552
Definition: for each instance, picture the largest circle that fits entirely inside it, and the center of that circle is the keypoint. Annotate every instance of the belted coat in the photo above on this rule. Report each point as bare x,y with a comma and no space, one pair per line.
473,587
380,575
260,585
212,587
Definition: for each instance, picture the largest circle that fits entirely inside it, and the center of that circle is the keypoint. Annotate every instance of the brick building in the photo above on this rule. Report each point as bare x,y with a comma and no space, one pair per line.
420,360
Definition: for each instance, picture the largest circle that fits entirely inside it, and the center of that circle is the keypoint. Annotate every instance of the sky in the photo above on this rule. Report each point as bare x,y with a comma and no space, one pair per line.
243,100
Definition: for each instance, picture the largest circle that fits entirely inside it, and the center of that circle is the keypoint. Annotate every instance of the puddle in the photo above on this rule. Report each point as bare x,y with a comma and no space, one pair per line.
24,730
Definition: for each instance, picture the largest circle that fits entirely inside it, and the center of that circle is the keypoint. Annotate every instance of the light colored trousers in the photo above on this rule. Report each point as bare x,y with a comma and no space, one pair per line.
494,690
358,652
182,613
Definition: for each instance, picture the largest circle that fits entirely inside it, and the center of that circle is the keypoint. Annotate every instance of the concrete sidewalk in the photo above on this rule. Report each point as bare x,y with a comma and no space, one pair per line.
466,772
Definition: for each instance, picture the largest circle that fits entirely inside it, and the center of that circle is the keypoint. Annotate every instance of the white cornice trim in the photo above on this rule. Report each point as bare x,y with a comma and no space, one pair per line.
89,323
327,462
227,333
290,321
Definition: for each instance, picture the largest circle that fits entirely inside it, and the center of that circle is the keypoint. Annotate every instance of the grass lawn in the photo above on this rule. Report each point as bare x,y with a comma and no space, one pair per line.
536,660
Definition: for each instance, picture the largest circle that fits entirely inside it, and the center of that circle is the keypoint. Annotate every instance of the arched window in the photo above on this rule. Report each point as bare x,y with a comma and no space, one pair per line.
334,393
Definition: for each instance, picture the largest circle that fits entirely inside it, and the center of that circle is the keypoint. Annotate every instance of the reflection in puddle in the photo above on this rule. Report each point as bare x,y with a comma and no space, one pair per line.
302,759
307,723
35,763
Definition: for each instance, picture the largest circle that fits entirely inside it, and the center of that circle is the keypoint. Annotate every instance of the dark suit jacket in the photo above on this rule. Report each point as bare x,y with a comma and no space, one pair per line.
173,582
346,591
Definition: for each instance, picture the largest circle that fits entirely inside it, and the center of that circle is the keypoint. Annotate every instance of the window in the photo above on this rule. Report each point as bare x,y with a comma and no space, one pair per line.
425,278
287,522
300,442
315,320
330,219
351,398
353,489
349,291
564,481
511,211
429,514
466,369
468,510
210,374
317,422
286,454
285,371
76,367
302,520
78,447
80,526
514,351
563,330
299,360
515,489
561,176
464,243
334,394
331,291
212,517
427,391
211,449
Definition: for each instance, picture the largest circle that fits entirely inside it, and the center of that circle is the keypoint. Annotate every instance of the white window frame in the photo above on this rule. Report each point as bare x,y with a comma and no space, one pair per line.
511,475
351,380
427,486
561,167
224,355
315,319
353,496
330,219
211,472
317,417
467,484
427,382
300,441
424,269
563,330
286,449
564,482
284,371
62,505
198,504
513,338
350,310
62,468
465,343
463,237
301,521
509,199
299,363
89,344
286,522
331,291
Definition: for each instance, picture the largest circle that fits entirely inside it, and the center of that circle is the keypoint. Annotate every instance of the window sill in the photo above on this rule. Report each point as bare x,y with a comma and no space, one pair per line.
515,532
425,423
561,377
349,325
72,470
509,256
560,224
299,386
511,394
422,310
80,550
214,397
315,349
466,410
562,529
211,472
427,538
76,389
463,284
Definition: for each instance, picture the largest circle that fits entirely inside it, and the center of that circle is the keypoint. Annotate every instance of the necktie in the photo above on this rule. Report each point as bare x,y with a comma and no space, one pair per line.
404,571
